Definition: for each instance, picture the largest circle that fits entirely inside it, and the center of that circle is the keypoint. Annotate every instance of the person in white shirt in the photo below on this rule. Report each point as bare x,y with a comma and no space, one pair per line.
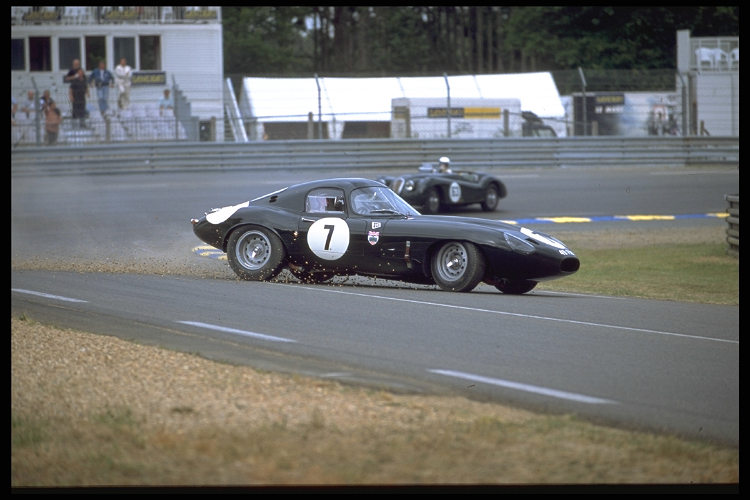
123,76
166,104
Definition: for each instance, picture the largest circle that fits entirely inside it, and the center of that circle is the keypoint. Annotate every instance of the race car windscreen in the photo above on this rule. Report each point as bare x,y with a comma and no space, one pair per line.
379,201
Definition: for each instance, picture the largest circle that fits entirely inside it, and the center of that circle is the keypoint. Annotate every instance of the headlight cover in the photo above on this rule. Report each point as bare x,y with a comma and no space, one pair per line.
518,245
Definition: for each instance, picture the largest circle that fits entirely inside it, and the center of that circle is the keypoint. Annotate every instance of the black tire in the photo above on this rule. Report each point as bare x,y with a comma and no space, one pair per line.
458,266
255,253
432,202
515,287
491,198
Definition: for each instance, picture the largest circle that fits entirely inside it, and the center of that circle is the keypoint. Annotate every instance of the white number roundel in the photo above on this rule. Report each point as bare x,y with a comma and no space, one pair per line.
328,238
454,192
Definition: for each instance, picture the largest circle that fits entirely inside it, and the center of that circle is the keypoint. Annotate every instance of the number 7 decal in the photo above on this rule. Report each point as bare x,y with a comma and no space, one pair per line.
328,238
330,234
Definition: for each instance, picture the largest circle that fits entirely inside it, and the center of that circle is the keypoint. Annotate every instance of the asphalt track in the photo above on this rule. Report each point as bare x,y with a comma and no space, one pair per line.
665,366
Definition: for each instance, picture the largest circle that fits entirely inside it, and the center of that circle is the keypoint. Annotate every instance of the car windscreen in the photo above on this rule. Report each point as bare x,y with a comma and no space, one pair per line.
376,200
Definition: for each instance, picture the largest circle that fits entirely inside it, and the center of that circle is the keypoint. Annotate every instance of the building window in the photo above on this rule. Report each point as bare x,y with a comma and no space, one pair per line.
17,54
150,52
124,47
39,54
95,51
70,48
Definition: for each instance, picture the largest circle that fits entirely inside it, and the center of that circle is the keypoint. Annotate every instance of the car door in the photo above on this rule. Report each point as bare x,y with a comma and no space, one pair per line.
471,187
328,236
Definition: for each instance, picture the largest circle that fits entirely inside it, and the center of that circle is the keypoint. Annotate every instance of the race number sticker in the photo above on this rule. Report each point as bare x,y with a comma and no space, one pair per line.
328,238
454,192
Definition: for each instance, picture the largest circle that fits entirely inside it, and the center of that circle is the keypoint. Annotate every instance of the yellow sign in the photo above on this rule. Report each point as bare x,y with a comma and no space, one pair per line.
149,78
492,113
475,113
121,15
41,15
200,14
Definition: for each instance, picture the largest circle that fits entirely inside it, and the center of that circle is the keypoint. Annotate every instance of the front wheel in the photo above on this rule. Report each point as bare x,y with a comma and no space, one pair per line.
458,266
255,253
432,202
515,287
490,198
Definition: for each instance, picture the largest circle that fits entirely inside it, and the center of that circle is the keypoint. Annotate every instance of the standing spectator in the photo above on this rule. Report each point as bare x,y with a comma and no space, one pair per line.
102,79
29,106
73,71
166,103
13,110
78,92
123,76
53,119
45,100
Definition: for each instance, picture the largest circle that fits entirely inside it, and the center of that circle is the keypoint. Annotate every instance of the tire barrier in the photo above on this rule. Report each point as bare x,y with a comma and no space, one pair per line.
733,222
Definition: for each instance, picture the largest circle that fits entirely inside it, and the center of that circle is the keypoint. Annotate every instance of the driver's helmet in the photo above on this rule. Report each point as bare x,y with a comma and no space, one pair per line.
444,164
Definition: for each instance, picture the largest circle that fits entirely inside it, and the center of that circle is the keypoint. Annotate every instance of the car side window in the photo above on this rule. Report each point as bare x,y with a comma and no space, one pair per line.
325,200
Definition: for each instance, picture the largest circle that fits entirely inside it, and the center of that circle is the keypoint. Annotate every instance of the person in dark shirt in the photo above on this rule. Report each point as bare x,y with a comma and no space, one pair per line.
78,92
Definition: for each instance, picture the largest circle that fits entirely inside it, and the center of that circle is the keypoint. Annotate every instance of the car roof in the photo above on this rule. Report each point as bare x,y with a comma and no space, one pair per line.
293,196
345,183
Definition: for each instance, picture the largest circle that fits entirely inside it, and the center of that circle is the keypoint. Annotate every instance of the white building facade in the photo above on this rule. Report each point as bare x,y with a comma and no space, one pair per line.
176,48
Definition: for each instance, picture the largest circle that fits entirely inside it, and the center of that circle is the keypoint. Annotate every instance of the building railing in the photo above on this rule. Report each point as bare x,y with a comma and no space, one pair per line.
114,15
715,54
125,126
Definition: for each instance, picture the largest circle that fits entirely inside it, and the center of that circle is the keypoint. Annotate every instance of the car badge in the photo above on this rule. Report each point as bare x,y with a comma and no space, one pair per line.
375,225
373,237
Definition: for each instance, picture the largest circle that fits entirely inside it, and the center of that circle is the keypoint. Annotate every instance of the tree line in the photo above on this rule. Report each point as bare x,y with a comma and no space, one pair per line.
432,40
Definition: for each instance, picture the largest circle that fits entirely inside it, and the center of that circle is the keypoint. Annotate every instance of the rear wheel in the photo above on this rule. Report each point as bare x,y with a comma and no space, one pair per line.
458,266
490,198
255,253
432,203
515,287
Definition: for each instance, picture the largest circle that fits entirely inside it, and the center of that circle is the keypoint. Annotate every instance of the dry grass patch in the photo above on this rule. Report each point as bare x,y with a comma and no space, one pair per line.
90,410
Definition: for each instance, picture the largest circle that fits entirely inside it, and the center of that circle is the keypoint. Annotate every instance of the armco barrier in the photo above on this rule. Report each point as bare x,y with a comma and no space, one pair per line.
381,154
733,222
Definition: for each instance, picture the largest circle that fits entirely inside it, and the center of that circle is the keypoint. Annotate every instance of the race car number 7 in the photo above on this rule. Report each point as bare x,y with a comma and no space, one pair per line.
330,233
328,238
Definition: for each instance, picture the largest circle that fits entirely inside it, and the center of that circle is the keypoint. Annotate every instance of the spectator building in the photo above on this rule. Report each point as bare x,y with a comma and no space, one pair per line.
175,47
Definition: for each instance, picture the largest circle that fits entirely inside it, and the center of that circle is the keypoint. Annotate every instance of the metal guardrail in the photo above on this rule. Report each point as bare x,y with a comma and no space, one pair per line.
380,154
733,222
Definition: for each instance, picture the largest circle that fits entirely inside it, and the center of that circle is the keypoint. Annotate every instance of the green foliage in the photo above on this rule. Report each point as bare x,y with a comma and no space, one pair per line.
432,40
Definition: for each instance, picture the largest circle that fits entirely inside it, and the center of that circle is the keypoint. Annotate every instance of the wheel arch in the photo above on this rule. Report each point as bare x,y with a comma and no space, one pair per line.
502,191
241,225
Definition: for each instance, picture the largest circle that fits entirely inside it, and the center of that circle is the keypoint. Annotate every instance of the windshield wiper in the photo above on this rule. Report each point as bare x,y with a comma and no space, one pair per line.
387,211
